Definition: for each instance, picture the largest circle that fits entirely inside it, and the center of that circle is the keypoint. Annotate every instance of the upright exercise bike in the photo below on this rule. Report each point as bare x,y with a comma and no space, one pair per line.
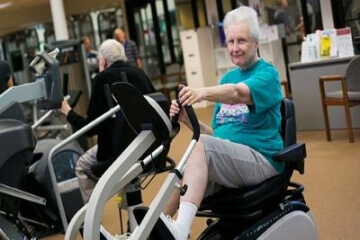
27,200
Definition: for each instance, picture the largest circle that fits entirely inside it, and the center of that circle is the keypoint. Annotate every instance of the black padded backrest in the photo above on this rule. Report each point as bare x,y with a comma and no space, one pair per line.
288,132
139,111
288,123
151,110
117,123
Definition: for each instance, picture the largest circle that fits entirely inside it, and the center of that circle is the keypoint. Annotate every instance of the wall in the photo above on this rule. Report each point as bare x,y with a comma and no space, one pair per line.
326,14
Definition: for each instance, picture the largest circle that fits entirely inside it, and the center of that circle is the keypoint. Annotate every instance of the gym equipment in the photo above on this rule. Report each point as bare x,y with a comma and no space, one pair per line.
162,163
271,210
157,157
60,206
56,126
26,197
152,125
72,61
274,209
46,87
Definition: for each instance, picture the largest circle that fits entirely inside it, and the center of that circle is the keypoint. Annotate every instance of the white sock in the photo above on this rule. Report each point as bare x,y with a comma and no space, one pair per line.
186,215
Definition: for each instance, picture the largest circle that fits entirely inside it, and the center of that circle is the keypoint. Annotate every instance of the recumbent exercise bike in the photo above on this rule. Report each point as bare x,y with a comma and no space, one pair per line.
274,209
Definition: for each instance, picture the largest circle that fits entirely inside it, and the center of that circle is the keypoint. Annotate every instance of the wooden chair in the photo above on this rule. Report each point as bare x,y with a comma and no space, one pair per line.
285,84
157,83
171,82
348,96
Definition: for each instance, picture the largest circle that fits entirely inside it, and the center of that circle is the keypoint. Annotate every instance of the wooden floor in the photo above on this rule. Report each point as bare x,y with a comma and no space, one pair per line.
331,180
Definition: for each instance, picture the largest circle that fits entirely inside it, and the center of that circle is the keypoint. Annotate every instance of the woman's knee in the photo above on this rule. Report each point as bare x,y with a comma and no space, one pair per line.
200,146
198,154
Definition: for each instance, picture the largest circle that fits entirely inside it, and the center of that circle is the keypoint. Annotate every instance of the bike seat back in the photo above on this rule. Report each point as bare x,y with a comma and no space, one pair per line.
232,202
140,113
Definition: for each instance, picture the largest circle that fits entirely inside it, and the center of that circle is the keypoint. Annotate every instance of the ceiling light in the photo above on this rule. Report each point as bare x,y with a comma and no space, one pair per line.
5,5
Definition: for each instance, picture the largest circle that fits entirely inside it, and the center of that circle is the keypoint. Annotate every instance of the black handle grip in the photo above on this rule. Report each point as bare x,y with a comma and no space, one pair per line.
192,117
194,122
65,84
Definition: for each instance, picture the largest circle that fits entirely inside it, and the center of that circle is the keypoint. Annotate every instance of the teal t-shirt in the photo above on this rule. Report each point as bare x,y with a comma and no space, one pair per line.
257,125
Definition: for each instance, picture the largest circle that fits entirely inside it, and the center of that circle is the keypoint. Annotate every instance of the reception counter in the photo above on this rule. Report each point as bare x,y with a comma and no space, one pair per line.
304,79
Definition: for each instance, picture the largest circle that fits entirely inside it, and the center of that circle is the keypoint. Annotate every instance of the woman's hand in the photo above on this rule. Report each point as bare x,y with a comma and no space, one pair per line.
189,96
65,108
175,109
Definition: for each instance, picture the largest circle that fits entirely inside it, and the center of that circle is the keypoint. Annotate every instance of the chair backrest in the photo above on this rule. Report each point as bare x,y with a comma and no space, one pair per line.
173,68
172,75
352,74
288,123
288,133
124,132
154,114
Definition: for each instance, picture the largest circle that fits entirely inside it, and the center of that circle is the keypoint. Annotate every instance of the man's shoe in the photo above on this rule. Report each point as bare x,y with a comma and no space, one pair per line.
175,228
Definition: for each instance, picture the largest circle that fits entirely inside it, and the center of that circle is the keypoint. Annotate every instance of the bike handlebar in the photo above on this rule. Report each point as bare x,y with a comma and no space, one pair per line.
192,117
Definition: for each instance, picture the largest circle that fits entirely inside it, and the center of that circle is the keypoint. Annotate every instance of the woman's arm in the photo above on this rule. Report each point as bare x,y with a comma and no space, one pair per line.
225,93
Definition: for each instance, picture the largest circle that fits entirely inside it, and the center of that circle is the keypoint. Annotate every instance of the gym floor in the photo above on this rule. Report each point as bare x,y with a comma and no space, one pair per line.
331,180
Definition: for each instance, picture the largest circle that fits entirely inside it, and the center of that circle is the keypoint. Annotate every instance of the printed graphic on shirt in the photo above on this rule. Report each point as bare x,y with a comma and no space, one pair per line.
238,113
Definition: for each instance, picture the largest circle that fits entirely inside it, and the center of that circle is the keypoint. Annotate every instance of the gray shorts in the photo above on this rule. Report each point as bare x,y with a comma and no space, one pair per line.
234,165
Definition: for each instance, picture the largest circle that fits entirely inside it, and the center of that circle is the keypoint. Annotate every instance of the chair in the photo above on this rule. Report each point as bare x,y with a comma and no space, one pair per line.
285,84
246,206
348,96
157,82
169,82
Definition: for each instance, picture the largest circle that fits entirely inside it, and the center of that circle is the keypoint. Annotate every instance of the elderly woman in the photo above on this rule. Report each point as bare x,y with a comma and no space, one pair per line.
237,150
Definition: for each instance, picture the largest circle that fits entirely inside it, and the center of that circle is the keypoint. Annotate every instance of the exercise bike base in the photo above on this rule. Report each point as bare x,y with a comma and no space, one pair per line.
297,225
294,221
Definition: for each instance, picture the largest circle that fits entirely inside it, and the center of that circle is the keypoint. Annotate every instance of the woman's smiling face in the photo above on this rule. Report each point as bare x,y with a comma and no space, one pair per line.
241,47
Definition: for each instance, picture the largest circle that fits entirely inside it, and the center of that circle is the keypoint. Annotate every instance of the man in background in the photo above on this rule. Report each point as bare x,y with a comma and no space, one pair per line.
112,64
91,57
131,50
283,16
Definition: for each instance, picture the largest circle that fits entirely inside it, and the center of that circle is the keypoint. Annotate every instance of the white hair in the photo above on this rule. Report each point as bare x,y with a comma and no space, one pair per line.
246,15
112,51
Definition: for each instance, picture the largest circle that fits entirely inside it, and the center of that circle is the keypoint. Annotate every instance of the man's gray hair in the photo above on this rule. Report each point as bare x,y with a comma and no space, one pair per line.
112,51
245,15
